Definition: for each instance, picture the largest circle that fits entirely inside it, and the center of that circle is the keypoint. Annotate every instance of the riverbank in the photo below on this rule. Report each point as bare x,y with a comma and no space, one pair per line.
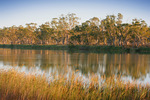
16,85
78,48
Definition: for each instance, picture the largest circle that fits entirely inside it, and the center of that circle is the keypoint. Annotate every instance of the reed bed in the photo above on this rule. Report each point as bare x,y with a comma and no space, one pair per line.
15,85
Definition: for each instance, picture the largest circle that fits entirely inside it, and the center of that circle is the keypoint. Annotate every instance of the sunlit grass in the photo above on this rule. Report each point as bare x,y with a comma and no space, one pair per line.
16,85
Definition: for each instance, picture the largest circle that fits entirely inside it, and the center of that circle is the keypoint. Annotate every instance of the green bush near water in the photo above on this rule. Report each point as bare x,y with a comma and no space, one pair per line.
78,48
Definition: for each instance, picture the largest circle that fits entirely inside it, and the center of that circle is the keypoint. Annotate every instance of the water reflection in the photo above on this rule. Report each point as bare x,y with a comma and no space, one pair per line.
136,66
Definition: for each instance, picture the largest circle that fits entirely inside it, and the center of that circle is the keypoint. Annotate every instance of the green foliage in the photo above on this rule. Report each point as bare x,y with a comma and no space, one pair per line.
65,30
78,48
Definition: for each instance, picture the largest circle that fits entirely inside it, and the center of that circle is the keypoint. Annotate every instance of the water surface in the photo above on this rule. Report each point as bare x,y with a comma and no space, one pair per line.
129,66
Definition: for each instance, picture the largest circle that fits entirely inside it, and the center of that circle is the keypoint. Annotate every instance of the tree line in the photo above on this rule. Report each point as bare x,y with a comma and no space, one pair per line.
66,30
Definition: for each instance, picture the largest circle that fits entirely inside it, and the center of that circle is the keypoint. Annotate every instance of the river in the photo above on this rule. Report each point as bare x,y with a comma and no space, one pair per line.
134,67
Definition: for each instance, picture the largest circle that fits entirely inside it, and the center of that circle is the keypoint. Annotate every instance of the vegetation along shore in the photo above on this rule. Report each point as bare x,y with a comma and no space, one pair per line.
15,85
80,48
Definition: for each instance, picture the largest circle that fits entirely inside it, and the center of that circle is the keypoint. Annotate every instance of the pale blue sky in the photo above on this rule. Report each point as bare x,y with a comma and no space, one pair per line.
20,12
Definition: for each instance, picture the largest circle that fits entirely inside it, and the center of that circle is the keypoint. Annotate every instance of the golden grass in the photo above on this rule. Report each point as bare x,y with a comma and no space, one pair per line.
16,85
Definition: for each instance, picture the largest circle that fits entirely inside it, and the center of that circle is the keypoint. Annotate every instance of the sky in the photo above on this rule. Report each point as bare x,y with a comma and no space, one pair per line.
20,12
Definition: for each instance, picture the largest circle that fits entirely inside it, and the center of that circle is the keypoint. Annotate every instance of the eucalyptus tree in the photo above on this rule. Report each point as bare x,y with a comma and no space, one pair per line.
73,21
65,24
12,34
103,32
148,37
112,29
75,38
144,33
95,33
137,32
63,27
126,34
21,34
120,28
85,36
30,34
109,29
3,35
123,31
46,33
55,26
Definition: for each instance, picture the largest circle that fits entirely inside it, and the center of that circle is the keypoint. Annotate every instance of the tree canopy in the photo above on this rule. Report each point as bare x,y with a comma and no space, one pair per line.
66,30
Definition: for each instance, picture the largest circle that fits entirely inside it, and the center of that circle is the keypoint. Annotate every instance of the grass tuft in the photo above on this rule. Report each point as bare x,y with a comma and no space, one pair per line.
16,85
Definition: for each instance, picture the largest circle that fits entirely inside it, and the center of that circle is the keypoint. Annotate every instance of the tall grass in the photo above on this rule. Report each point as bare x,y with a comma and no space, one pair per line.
16,85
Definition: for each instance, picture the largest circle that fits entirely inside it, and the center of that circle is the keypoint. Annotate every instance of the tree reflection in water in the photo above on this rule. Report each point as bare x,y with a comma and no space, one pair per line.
136,66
